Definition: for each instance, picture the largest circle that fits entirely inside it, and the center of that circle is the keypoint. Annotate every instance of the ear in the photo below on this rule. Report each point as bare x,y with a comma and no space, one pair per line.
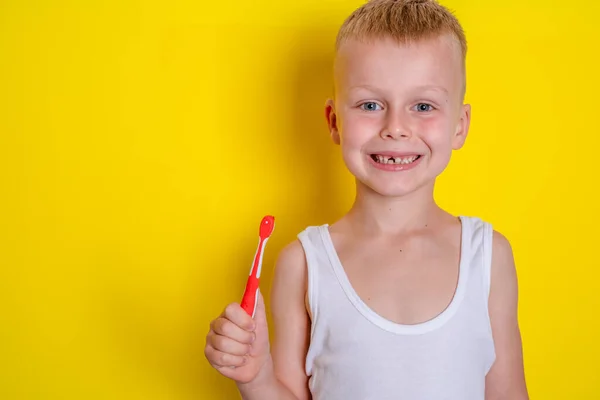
332,121
462,128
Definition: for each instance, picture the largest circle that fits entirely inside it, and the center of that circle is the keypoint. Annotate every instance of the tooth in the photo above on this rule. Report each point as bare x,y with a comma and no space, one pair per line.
395,160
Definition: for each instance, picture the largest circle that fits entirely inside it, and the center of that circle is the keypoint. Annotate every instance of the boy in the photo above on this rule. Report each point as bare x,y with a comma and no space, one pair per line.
398,299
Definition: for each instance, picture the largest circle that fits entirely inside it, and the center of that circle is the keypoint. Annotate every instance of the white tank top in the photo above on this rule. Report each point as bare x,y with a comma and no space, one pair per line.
355,354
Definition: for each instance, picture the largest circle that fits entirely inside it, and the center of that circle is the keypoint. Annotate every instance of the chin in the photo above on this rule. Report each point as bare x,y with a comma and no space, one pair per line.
392,189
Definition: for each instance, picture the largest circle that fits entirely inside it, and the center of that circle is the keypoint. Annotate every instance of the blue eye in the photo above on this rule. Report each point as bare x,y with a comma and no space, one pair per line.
369,106
424,107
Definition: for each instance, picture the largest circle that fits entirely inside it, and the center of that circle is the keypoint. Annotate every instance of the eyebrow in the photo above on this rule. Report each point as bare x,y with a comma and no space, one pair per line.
363,87
434,88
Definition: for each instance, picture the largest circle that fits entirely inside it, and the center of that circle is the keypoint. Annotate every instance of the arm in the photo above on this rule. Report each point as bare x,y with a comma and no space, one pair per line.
506,379
284,377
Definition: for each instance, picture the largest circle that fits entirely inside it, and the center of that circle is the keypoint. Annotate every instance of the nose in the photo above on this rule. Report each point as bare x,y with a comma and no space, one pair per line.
396,134
395,128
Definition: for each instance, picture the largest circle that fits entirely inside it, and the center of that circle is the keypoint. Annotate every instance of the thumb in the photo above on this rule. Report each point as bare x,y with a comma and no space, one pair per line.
260,349
260,315
261,346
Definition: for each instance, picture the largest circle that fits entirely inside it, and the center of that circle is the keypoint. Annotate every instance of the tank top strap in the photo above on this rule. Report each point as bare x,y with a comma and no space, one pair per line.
317,263
480,250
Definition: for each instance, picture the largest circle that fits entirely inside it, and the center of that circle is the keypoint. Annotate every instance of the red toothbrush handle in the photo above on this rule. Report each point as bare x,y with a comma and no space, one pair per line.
251,293
250,296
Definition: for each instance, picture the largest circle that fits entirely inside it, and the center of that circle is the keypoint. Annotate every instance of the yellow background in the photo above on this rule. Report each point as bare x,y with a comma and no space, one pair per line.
142,142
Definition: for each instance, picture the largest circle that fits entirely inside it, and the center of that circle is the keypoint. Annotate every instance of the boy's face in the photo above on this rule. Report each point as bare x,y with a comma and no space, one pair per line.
398,101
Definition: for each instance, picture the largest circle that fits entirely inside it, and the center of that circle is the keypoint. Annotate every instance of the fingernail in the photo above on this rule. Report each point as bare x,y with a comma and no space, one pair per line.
253,338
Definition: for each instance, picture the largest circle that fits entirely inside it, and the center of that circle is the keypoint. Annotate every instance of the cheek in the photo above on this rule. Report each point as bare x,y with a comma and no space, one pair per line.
437,133
356,130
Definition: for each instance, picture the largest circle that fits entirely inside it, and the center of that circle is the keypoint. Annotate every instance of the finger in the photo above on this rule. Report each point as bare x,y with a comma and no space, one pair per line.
225,327
227,345
236,314
219,359
229,372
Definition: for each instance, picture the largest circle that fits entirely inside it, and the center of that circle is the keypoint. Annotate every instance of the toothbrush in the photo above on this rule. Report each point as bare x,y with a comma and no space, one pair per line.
250,298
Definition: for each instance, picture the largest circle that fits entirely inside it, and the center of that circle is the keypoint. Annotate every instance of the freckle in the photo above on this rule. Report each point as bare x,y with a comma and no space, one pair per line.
400,250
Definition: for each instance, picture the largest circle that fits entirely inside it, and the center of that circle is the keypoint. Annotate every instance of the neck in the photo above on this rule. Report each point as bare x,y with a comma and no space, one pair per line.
376,214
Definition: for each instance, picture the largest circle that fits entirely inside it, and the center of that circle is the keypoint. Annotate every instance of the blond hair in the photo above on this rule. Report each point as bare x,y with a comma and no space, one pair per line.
403,21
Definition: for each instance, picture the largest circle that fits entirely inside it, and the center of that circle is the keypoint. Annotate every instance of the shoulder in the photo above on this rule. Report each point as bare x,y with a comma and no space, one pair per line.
504,291
501,272
291,258
502,252
503,269
292,263
498,249
290,276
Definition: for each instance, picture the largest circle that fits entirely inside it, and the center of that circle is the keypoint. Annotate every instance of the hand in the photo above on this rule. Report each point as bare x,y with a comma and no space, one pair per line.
238,346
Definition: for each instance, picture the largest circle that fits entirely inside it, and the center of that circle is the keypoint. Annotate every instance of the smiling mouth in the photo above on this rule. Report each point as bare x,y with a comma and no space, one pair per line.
378,158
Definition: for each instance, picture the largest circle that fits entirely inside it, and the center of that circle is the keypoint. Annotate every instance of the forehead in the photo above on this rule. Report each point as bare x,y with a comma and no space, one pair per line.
385,63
